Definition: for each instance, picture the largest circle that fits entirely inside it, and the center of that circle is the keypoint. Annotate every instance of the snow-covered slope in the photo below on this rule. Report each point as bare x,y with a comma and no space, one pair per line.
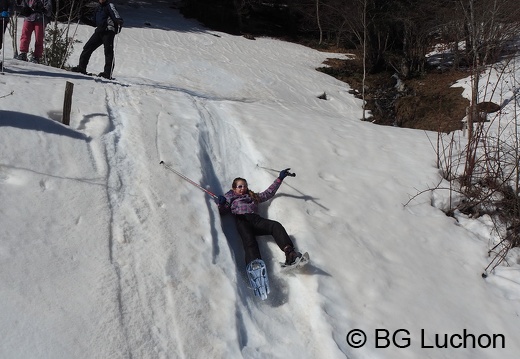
104,253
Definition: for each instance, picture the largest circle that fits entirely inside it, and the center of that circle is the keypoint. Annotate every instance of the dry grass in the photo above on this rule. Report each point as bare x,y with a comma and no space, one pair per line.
427,103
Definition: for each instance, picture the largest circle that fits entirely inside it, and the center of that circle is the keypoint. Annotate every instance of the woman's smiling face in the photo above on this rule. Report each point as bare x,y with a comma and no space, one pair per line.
240,187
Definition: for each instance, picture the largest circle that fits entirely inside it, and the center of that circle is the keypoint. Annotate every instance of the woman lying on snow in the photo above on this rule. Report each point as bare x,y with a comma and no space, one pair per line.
243,203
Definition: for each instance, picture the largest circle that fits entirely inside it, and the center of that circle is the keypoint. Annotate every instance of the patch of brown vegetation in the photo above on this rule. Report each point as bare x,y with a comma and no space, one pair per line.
432,104
426,103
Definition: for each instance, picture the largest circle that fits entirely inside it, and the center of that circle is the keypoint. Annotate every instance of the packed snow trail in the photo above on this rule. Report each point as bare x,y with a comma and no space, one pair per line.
154,286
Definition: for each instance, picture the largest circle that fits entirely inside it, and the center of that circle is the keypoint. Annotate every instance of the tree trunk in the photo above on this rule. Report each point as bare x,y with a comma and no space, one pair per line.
318,20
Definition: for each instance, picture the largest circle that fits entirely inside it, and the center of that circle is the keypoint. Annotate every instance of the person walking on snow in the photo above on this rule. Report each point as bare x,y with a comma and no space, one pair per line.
243,204
37,15
5,8
108,23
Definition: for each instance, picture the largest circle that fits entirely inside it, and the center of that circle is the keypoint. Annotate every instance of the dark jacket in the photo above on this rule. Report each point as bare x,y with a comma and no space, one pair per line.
36,10
6,5
105,18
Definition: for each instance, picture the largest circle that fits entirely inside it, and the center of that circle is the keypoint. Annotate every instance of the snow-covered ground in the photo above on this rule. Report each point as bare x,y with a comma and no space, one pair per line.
104,253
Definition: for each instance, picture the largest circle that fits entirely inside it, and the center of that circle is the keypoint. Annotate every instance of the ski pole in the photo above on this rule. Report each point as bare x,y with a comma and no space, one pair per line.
3,43
188,180
44,31
113,64
272,169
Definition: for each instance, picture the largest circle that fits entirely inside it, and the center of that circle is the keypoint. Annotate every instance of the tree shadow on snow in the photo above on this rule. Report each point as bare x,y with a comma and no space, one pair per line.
26,121
20,69
157,14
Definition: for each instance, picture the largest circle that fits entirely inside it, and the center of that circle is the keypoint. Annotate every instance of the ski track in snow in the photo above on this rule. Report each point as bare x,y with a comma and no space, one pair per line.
131,204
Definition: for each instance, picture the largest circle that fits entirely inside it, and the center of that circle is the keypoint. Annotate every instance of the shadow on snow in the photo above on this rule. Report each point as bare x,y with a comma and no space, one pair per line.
26,121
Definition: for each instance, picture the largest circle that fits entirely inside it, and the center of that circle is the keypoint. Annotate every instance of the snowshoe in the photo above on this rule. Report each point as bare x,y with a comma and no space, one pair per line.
257,275
299,262
79,70
22,56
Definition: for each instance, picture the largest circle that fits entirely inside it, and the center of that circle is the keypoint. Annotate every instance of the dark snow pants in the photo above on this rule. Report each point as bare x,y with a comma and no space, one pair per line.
251,225
105,38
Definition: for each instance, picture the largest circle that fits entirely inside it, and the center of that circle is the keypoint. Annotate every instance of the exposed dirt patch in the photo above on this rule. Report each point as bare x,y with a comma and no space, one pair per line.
427,103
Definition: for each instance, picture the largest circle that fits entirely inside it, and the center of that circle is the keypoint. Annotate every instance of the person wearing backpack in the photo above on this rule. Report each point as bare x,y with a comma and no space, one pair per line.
37,15
108,23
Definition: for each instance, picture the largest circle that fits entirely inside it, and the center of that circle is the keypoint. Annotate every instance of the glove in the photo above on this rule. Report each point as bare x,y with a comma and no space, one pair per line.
284,173
220,200
4,14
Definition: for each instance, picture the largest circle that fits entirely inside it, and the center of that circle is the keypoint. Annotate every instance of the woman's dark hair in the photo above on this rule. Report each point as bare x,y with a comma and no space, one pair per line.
234,185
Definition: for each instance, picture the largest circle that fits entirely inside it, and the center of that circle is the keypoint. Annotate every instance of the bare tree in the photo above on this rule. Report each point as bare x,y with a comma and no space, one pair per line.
318,20
13,31
489,26
364,25
58,40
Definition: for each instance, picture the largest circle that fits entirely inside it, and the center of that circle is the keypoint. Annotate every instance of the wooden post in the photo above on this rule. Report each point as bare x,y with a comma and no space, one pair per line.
67,103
